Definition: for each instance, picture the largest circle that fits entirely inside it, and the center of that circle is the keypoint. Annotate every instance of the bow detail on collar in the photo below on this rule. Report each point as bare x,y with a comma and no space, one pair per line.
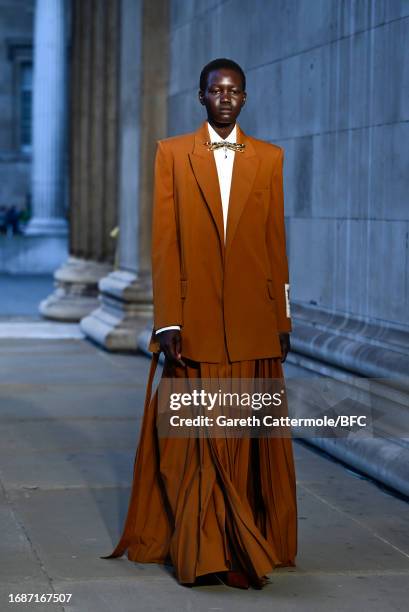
224,144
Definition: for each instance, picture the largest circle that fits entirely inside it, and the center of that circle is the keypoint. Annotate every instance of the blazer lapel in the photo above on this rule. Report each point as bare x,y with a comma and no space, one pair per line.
205,171
245,169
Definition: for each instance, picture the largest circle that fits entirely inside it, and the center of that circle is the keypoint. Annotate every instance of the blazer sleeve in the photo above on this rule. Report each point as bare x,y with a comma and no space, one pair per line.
167,302
276,245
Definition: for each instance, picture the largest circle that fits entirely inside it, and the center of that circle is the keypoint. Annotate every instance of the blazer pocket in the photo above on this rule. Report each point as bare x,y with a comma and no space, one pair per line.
272,300
261,193
270,290
183,289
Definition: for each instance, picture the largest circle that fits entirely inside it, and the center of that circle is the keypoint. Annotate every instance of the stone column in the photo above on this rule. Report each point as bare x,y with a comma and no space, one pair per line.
49,119
126,294
93,160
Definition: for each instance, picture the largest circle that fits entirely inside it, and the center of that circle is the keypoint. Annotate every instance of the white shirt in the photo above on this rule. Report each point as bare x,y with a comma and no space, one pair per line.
224,159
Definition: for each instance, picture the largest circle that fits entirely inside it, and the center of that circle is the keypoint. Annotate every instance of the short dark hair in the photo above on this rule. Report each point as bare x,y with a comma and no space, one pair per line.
218,64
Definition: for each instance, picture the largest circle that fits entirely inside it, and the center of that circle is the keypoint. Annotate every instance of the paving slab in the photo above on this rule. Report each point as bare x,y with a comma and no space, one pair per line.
76,366
21,294
39,330
349,492
81,526
330,539
103,468
387,518
17,560
70,415
73,435
71,401
286,593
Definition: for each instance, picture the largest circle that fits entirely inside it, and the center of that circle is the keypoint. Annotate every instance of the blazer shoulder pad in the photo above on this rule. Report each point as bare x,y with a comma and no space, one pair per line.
176,142
266,148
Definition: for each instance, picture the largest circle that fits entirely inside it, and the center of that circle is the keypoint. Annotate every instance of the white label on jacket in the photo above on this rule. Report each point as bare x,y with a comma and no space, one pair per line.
287,299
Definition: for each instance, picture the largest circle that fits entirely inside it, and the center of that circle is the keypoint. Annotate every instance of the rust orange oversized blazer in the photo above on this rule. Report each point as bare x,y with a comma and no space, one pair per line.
235,291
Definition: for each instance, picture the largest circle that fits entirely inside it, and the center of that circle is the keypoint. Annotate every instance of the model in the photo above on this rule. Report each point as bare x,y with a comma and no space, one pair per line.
224,507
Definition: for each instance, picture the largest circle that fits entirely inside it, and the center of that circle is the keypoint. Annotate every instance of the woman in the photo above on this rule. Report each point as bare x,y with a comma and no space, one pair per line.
216,505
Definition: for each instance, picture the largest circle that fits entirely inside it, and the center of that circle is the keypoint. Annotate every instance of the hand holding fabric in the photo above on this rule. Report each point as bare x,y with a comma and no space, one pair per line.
170,342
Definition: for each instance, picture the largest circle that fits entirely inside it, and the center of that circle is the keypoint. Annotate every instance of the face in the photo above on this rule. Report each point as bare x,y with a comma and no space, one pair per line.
224,96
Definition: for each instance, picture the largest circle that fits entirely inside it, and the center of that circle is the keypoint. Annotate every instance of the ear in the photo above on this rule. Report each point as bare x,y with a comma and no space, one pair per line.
244,99
200,94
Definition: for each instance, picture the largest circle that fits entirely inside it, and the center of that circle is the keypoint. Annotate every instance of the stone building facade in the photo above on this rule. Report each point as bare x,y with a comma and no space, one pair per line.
16,76
33,162
327,81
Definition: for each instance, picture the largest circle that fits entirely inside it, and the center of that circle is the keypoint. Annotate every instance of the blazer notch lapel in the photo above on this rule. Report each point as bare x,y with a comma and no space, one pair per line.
205,172
245,169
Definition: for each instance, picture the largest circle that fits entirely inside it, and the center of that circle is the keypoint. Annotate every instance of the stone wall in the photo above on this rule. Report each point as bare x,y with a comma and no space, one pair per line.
16,38
328,82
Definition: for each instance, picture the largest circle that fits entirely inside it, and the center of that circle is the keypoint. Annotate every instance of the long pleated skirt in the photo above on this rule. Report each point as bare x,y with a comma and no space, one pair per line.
211,504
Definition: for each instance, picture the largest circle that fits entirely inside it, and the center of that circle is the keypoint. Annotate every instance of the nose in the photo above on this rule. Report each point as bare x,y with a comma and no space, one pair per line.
225,97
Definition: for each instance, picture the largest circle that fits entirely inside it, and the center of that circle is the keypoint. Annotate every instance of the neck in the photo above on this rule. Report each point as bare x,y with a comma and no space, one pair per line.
222,129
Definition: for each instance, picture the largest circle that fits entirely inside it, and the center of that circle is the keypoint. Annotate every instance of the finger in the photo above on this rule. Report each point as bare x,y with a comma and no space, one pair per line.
171,354
168,352
178,351
178,346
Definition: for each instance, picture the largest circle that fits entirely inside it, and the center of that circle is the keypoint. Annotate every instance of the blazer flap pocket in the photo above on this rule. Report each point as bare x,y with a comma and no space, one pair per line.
183,288
261,193
270,289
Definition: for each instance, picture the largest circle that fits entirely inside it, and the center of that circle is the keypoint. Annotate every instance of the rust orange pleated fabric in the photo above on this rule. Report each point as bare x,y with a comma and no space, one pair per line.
211,504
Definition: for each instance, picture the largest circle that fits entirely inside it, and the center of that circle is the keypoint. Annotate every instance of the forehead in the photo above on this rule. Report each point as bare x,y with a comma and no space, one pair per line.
224,76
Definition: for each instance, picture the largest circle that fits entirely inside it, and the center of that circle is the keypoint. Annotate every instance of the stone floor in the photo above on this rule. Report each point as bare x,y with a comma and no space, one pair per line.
69,417
20,294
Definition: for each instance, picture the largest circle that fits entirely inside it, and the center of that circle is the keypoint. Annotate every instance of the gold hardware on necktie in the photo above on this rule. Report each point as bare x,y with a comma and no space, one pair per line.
233,146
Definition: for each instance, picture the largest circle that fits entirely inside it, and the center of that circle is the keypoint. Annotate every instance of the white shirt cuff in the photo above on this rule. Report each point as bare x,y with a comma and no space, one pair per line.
169,327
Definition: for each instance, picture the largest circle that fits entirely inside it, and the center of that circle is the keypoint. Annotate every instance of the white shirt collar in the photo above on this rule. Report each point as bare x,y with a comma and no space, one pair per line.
214,136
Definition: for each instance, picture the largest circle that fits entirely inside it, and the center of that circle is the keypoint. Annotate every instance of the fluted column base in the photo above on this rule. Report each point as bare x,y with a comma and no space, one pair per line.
125,311
341,364
38,226
76,290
